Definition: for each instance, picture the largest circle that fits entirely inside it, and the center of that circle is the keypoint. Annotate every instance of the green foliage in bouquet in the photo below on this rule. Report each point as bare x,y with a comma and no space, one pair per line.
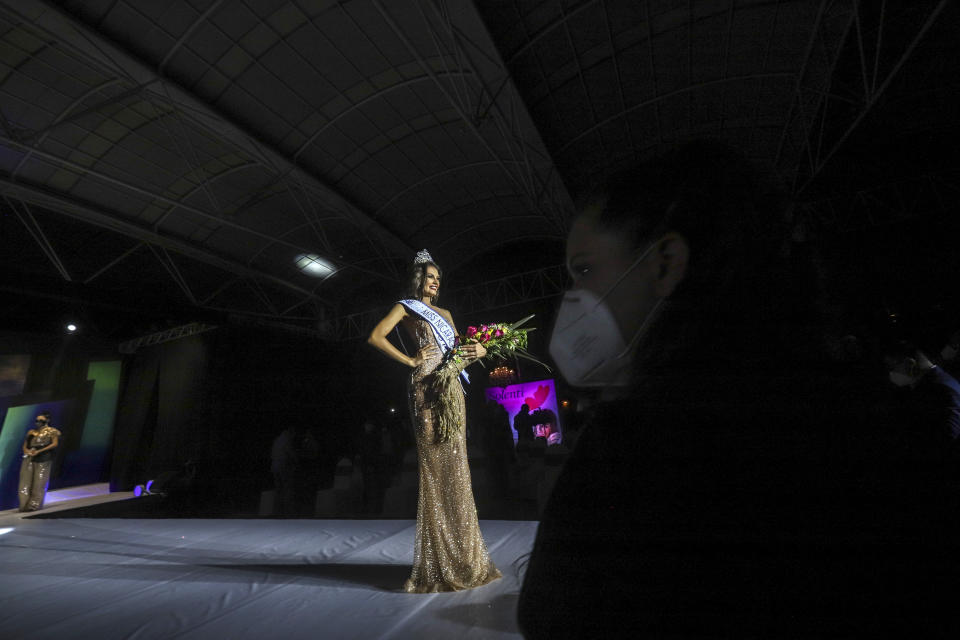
501,342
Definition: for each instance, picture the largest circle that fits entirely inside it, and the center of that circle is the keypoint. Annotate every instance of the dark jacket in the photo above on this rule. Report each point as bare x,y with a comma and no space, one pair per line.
739,506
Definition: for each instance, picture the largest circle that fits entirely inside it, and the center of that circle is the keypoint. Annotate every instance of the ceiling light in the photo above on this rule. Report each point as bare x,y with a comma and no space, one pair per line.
71,328
313,265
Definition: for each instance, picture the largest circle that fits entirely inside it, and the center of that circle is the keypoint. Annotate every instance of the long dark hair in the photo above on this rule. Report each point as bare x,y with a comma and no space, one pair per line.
415,279
748,296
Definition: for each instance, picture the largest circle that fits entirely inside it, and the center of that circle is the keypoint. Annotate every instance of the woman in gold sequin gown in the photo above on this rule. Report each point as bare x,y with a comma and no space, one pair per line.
449,551
37,460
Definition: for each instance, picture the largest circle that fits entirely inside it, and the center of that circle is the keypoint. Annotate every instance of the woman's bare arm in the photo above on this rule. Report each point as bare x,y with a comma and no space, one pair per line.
53,445
378,337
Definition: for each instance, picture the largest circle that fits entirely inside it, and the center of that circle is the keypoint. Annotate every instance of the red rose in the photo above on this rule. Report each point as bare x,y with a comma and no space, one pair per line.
498,333
471,332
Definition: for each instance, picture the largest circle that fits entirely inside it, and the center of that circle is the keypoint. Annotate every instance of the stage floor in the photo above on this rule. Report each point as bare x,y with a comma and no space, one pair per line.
230,579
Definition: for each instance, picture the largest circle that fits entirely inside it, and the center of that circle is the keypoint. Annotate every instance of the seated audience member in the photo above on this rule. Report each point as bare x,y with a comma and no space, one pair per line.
935,401
948,354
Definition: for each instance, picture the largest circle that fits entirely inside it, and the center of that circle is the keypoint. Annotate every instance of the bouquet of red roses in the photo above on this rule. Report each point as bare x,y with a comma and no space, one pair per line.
500,340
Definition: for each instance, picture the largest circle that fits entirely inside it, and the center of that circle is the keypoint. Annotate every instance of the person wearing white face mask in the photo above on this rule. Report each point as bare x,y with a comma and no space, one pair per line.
715,493
588,342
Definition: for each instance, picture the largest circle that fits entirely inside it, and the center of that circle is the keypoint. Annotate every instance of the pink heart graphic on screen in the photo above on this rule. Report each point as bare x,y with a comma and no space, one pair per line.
538,398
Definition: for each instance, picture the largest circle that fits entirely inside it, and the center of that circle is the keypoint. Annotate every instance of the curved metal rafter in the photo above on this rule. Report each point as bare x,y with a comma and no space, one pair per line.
119,224
475,202
57,160
63,114
396,144
798,89
186,34
485,225
559,22
450,99
665,96
130,131
509,116
122,62
353,107
226,172
872,95
351,265
431,178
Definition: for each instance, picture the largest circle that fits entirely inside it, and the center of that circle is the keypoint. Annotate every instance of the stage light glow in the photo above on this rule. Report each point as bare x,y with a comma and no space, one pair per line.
149,484
138,491
5,530
71,328
313,265
392,410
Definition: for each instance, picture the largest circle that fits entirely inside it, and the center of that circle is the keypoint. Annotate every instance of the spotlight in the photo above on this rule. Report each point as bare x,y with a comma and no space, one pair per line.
71,328
138,491
5,530
392,410
313,265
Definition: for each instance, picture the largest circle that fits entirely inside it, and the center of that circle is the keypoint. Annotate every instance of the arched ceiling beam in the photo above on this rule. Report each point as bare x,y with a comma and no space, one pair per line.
205,183
548,29
72,33
798,89
186,34
475,203
494,221
431,178
468,121
660,98
42,133
376,96
874,96
116,223
57,160
355,265
505,108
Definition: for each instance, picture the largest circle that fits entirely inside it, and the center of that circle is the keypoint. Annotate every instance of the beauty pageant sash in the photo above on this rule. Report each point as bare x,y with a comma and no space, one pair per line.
441,328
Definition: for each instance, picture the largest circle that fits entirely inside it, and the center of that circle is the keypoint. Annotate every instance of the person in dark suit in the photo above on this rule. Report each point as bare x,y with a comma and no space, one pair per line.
523,425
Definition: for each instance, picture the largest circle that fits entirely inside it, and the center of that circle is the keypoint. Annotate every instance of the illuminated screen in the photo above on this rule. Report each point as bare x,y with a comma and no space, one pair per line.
87,463
541,398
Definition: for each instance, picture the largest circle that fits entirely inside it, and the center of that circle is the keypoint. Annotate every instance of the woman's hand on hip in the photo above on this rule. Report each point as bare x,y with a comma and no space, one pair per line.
426,353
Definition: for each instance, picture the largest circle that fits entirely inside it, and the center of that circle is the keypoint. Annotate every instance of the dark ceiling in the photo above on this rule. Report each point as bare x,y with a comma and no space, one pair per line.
168,161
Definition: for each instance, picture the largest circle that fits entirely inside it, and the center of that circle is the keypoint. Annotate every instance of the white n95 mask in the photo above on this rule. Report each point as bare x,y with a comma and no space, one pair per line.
586,342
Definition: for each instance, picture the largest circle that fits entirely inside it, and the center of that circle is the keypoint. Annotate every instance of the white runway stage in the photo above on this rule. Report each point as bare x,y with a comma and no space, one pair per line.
229,579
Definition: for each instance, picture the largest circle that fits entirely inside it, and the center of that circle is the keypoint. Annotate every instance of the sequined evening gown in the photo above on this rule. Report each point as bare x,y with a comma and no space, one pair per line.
35,471
449,552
